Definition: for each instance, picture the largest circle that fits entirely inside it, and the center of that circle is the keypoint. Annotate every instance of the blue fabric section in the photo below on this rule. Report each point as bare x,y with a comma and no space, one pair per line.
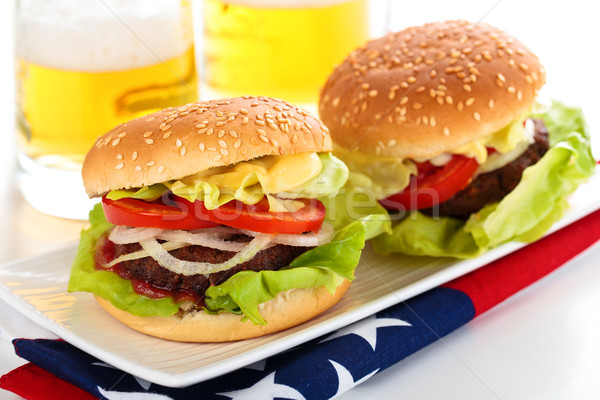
319,369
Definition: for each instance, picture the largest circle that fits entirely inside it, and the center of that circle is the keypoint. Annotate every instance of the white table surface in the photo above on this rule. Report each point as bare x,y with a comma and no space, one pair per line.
543,343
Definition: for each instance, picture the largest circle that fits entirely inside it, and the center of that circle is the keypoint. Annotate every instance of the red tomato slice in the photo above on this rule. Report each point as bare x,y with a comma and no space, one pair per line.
186,215
258,218
140,213
433,185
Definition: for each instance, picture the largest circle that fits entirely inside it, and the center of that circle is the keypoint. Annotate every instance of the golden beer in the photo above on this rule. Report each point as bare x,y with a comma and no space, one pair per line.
83,67
62,112
283,49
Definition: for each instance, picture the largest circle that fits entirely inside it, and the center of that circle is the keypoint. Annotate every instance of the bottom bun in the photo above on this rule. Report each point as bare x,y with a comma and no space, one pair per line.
284,311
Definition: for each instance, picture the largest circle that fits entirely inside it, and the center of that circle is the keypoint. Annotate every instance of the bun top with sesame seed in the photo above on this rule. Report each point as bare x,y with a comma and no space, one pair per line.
429,89
177,142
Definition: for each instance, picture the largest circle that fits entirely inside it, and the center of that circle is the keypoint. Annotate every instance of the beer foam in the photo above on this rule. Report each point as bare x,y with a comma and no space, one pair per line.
102,35
286,3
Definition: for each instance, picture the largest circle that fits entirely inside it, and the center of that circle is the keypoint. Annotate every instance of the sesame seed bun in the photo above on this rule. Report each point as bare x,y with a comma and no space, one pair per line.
429,89
284,311
181,141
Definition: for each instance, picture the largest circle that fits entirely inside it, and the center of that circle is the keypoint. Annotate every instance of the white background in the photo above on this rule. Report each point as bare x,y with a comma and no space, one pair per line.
543,343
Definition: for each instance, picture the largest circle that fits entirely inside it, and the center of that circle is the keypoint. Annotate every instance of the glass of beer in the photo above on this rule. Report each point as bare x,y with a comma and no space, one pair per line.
83,67
278,48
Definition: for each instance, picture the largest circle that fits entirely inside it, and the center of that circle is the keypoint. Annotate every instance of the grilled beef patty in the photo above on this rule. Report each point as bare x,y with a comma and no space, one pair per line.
493,186
148,270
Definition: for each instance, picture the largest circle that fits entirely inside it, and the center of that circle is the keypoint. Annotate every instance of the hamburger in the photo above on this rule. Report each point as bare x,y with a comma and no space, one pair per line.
441,123
210,226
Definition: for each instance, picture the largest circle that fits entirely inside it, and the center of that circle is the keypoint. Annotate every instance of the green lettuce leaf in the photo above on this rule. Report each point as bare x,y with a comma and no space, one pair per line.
354,203
108,285
325,265
525,214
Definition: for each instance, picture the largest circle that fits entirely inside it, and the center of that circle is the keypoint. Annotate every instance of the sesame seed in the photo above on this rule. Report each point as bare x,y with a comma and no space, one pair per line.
149,141
261,131
528,79
201,146
411,79
477,116
373,93
233,134
432,121
222,144
211,148
150,163
138,168
221,134
122,134
523,66
225,152
253,141
220,123
446,131
119,156
237,144
470,101
244,111
404,100
149,119
491,103
417,106
182,151
199,126
460,106
161,169
432,73
134,155
119,166
178,143
217,157
201,131
449,99
466,87
511,89
519,95
274,142
260,122
116,141
209,131
167,134
263,138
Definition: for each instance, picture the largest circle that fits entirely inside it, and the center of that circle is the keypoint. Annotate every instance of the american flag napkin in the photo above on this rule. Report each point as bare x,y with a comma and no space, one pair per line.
322,368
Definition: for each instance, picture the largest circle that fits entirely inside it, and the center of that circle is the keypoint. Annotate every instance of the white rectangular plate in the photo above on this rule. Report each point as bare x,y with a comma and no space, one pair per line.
37,286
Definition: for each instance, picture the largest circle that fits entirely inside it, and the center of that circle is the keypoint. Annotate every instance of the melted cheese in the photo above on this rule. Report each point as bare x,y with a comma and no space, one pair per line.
274,173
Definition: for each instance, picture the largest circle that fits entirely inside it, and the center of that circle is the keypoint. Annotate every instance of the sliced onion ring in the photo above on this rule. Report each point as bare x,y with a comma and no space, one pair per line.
302,240
173,264
167,246
205,239
121,234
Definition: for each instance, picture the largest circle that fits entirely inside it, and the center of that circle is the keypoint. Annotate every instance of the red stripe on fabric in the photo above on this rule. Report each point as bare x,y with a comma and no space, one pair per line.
494,282
34,383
